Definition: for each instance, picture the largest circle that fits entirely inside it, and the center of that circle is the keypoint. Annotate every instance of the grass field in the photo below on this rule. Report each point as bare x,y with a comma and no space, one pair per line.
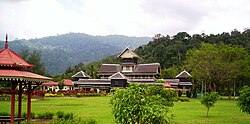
98,108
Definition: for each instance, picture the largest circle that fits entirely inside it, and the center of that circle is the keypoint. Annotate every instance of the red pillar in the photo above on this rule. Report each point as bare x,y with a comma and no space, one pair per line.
29,101
20,92
12,110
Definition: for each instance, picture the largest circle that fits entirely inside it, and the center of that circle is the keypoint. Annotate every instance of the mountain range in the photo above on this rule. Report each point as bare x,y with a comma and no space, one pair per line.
62,51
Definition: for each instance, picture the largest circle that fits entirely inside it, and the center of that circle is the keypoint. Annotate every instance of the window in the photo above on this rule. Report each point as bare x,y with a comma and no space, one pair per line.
127,69
116,84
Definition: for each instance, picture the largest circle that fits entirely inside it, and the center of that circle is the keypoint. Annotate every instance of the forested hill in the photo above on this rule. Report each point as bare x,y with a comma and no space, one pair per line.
170,51
62,51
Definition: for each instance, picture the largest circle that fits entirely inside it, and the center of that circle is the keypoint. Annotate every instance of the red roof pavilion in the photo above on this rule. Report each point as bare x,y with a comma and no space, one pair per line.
12,69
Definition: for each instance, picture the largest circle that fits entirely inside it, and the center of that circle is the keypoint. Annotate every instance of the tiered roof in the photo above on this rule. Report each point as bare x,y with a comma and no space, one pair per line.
9,58
11,64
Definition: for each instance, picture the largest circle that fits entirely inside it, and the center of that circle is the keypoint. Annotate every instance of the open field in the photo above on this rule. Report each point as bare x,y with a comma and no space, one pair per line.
98,108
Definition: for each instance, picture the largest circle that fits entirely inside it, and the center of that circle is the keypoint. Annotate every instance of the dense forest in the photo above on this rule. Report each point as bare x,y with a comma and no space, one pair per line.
61,51
171,52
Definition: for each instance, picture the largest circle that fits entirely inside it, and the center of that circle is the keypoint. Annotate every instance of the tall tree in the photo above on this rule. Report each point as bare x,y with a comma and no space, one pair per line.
218,65
35,59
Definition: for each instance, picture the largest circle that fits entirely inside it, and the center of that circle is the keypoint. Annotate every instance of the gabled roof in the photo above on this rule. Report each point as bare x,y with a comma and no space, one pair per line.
12,59
81,74
68,82
117,75
184,74
128,53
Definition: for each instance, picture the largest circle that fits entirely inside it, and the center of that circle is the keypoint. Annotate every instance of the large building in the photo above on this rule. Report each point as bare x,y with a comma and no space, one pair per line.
119,75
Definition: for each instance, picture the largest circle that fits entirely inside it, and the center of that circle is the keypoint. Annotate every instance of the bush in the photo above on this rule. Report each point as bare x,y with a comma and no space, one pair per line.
244,100
46,115
32,114
68,116
64,116
180,99
142,104
60,114
4,114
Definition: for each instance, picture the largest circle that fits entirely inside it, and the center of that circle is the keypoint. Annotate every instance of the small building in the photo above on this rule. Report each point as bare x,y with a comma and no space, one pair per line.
53,86
181,82
68,84
50,86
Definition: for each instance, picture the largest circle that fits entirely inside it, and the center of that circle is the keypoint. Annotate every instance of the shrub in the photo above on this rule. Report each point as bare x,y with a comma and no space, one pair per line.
32,114
142,104
60,114
209,100
244,100
68,116
79,95
64,116
46,115
180,99
4,114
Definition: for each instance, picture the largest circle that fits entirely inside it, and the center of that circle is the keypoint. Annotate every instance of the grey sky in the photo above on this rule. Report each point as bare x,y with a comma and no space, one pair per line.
40,18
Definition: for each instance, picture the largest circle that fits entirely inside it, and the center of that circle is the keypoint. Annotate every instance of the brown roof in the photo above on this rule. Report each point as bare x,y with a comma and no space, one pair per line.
113,68
139,69
147,68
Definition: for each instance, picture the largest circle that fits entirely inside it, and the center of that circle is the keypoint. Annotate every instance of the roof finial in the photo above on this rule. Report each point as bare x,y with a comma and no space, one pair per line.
6,42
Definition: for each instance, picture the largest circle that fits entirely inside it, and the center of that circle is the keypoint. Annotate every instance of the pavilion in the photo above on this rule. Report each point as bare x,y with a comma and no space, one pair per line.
13,70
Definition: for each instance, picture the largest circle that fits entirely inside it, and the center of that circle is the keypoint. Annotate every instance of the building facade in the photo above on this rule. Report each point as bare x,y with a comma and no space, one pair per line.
120,75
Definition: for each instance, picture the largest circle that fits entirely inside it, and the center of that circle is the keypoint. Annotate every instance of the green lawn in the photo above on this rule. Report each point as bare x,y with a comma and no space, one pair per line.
98,108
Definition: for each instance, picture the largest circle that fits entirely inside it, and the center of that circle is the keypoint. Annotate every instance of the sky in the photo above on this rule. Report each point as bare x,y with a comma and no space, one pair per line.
26,19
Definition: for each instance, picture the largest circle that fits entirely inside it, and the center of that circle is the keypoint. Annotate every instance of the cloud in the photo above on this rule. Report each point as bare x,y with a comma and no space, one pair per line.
33,18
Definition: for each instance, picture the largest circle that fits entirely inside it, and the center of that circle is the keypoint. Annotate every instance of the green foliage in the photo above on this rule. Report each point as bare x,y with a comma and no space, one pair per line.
160,81
59,114
142,104
4,114
64,116
62,51
61,85
209,100
34,58
218,64
46,115
244,100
